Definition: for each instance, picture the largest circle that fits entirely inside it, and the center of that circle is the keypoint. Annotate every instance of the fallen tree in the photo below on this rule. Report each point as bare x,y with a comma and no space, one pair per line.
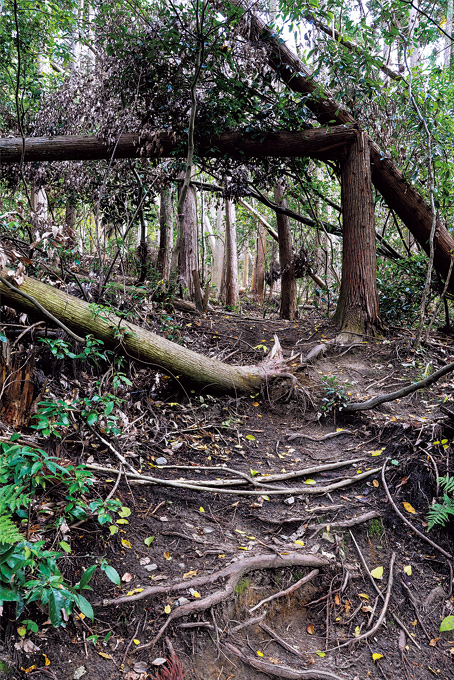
120,335
399,194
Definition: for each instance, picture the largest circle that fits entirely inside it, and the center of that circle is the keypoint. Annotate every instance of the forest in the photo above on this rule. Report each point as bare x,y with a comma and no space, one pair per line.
226,322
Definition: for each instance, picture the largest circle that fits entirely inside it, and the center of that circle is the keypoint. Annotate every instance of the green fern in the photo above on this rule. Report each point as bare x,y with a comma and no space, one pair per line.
12,497
441,513
9,533
447,483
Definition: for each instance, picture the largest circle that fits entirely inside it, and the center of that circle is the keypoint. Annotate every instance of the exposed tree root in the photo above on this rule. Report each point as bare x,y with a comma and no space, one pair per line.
281,671
405,391
287,591
137,478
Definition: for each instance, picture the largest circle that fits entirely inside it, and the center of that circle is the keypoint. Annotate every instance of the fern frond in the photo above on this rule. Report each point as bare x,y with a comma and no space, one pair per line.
441,514
447,483
12,497
9,533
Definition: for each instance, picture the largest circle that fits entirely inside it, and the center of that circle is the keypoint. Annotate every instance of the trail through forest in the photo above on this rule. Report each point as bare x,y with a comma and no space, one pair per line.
291,560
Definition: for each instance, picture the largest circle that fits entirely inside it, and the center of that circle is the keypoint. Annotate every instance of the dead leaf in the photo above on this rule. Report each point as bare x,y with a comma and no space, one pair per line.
377,656
310,629
377,573
336,599
434,641
409,508
126,578
407,569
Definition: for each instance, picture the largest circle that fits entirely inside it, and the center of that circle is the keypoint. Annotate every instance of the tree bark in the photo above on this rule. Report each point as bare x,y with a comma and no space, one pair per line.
185,256
357,309
165,232
259,271
231,274
289,308
125,337
399,194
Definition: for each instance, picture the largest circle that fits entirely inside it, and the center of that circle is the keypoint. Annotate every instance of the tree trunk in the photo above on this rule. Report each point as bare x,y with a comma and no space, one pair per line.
185,256
165,232
399,194
231,273
289,308
125,337
357,309
259,278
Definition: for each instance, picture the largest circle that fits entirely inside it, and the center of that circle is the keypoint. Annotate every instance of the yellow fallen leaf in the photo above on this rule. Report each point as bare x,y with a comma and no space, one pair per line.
196,594
310,629
321,654
29,669
125,543
310,481
357,631
190,574
299,543
242,547
46,660
375,483
238,531
167,609
104,655
377,452
377,656
433,642
201,509
259,653
377,573
409,508
407,569
133,592
136,641
363,596
22,631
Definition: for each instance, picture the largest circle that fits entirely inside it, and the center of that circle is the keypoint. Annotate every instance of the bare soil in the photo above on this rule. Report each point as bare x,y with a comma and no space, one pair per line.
197,533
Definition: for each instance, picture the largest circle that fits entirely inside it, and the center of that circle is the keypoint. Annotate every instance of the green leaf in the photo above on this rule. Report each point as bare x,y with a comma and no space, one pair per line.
65,546
92,418
8,595
124,512
447,624
111,573
148,541
56,604
86,576
85,607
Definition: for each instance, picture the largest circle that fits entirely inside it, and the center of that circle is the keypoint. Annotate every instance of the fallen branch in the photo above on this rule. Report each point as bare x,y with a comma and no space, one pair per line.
287,591
281,671
405,391
344,524
198,486
404,519
234,572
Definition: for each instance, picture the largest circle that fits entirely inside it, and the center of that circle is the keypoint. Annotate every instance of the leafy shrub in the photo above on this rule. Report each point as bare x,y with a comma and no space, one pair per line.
29,570
400,286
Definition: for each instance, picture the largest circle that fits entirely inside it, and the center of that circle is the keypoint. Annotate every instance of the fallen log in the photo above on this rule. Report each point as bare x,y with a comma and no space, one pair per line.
135,342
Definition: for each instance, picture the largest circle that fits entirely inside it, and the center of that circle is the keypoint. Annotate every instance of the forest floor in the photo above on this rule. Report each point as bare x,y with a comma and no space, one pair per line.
335,538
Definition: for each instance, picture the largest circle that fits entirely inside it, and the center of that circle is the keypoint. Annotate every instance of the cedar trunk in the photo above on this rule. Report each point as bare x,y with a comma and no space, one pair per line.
165,232
127,338
231,256
289,308
357,309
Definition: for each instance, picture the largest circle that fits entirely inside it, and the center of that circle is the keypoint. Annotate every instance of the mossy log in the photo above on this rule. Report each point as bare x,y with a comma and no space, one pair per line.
127,338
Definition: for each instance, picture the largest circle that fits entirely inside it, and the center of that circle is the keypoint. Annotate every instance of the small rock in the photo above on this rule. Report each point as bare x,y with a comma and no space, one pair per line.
437,594
208,530
141,667
79,672
151,567
289,501
161,461
181,565
182,600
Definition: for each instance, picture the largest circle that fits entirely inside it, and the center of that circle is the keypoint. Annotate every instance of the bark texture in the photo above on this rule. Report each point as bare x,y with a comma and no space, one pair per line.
231,274
289,308
136,342
165,232
357,308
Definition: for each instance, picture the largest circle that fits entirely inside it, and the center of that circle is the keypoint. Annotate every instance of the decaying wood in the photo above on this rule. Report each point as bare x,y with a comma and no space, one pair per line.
16,385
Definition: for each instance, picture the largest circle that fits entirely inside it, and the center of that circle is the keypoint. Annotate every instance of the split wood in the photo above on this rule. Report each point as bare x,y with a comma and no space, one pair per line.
281,671
196,485
413,528
233,573
287,591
